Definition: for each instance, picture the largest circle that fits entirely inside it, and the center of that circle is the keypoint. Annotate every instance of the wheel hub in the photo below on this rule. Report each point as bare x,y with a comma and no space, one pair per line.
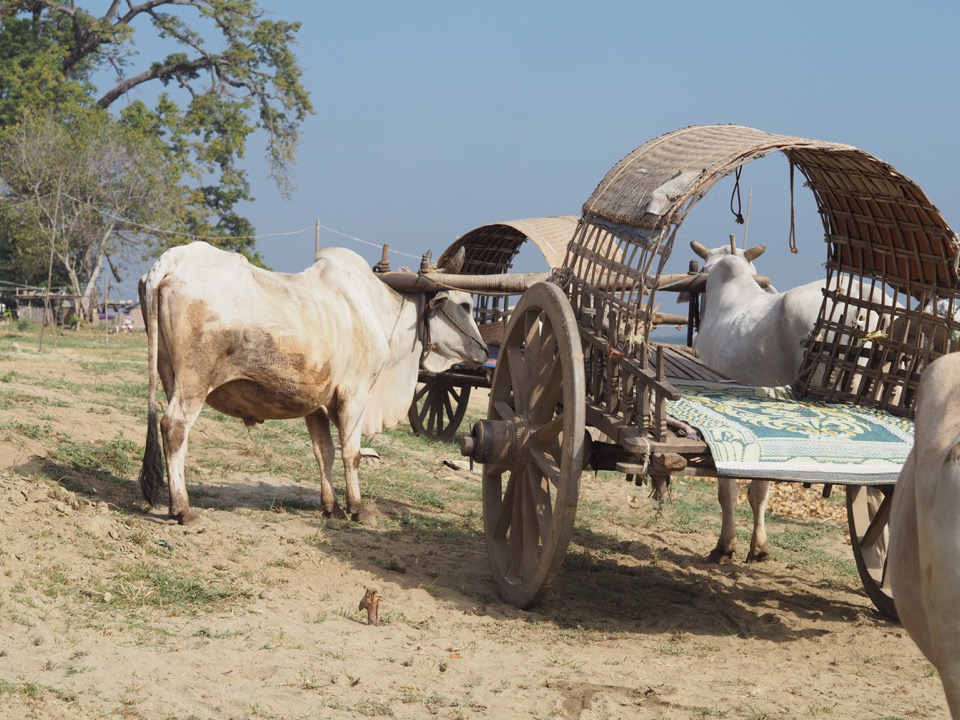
502,444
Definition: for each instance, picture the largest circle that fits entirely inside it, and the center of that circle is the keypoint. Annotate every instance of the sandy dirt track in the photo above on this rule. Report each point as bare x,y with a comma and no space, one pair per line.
110,611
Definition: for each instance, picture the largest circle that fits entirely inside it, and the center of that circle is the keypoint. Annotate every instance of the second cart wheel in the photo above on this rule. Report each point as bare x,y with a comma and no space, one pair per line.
535,430
438,408
868,515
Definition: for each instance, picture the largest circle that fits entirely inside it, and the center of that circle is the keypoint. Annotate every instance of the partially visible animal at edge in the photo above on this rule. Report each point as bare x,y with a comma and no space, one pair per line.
754,336
924,557
330,344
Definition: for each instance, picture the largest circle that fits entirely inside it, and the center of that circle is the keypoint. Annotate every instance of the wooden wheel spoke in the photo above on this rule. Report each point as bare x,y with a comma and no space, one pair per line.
539,345
506,510
547,465
430,411
503,409
446,410
531,531
516,545
545,435
530,338
547,393
517,377
542,506
875,531
421,391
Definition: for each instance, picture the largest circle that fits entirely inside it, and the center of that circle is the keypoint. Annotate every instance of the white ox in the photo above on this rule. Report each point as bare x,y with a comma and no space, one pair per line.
332,343
754,336
924,558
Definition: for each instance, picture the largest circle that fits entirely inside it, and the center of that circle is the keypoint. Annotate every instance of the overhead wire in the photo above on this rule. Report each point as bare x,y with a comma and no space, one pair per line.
262,236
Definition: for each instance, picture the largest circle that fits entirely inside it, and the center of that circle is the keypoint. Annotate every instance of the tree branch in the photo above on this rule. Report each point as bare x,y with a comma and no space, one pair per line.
156,72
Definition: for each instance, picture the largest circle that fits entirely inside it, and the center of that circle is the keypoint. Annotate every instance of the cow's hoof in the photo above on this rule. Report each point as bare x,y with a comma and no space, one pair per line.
760,556
719,556
336,513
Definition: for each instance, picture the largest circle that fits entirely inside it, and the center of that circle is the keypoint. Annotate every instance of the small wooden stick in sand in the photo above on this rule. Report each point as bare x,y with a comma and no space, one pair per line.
371,603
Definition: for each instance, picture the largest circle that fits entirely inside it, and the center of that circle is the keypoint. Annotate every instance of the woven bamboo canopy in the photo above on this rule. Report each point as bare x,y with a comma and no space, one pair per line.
875,218
491,248
892,259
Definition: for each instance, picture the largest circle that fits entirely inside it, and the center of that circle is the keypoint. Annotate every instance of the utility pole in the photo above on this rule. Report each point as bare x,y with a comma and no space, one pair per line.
106,309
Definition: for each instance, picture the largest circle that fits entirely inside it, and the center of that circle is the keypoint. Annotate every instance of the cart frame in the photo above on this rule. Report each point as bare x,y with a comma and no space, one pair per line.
577,351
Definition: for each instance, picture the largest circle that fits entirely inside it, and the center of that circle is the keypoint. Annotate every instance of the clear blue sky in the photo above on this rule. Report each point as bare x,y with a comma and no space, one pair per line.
436,117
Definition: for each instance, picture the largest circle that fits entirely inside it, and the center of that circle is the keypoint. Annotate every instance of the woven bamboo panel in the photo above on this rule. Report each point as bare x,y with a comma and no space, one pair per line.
892,300
651,185
490,249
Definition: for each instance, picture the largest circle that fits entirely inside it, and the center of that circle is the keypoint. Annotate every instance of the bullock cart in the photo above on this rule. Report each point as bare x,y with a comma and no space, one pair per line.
441,400
489,252
577,354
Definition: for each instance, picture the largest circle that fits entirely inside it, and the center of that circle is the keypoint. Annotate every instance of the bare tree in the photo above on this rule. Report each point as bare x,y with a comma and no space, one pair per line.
95,187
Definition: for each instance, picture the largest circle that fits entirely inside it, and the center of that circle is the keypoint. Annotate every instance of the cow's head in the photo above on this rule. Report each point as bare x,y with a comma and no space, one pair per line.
453,334
710,256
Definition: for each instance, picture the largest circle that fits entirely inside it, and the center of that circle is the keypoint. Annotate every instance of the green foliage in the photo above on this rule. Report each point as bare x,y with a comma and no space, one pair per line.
223,71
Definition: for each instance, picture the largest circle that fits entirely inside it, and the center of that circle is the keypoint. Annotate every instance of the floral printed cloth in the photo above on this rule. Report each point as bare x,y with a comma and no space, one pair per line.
770,433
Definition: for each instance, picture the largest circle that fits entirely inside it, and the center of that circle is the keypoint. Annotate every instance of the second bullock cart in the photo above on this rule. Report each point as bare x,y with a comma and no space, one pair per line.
577,353
441,399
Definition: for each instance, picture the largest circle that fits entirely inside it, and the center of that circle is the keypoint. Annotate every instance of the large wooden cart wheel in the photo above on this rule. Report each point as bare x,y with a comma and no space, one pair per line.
532,445
868,515
438,408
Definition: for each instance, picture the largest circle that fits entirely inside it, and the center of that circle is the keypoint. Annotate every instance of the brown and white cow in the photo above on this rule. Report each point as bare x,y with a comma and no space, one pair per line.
330,344
924,559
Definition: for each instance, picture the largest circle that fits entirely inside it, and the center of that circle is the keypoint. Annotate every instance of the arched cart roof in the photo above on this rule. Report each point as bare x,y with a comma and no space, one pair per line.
875,218
490,249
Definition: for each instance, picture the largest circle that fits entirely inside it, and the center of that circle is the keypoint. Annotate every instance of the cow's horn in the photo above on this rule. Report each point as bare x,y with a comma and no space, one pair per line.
700,249
753,253
455,263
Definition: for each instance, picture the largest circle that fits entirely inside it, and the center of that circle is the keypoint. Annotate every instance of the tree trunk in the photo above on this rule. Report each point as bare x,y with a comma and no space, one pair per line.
91,289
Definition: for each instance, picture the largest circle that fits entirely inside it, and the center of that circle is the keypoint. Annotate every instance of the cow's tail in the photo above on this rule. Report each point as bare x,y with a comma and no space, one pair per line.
151,472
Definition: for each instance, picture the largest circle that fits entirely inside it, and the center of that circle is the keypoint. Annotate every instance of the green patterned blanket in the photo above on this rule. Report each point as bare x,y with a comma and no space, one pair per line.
769,433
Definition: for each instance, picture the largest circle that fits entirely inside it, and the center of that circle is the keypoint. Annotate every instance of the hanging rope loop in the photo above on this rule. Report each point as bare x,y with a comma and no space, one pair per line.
735,196
793,228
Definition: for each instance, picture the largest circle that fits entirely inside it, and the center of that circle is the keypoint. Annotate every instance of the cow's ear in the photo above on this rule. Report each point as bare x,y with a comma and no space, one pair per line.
438,299
753,253
455,264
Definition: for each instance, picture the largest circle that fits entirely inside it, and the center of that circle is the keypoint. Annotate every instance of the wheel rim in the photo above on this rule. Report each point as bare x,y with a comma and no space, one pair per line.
529,501
438,408
868,515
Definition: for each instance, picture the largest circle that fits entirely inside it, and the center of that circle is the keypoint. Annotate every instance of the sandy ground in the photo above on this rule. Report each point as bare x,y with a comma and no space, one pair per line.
107,610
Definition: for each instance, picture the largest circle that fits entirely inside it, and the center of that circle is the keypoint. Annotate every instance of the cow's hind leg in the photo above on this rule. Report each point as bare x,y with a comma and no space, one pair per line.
349,427
759,494
727,544
323,450
175,426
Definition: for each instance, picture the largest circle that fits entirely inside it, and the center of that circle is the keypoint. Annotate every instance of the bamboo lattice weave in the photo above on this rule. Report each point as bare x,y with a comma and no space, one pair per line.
892,298
492,248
